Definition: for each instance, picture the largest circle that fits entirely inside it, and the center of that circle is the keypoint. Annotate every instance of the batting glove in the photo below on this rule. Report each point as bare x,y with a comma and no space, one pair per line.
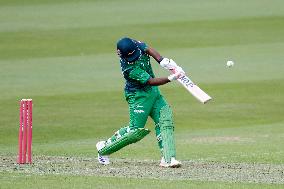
175,76
170,65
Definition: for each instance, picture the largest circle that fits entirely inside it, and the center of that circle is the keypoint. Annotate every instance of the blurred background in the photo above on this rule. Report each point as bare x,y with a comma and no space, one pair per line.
62,54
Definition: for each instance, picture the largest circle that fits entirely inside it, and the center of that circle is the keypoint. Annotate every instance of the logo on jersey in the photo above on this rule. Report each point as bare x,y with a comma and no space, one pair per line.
139,111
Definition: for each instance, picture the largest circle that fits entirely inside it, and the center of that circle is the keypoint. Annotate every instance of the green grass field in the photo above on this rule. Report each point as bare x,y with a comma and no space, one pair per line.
62,54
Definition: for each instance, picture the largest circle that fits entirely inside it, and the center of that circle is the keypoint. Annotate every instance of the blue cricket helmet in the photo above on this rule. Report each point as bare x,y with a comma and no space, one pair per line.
128,49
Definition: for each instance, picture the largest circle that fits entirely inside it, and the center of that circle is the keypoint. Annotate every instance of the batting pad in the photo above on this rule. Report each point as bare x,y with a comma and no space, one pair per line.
167,132
128,138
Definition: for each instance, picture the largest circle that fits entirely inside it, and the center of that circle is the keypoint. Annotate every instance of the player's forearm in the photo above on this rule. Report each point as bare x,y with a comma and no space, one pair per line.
158,81
152,52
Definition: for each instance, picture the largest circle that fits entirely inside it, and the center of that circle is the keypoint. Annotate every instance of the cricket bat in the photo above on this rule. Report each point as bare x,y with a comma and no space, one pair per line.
194,89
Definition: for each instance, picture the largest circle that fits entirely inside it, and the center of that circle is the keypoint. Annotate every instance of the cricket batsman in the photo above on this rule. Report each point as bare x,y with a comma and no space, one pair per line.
144,99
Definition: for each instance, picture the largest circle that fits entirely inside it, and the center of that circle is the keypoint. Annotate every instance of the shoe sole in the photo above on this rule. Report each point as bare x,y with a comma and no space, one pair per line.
165,166
171,166
175,166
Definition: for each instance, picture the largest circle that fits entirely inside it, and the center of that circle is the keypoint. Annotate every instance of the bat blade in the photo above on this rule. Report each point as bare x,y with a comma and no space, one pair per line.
194,89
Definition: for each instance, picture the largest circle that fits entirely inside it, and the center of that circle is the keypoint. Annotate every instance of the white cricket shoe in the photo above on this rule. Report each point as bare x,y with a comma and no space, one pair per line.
174,163
102,159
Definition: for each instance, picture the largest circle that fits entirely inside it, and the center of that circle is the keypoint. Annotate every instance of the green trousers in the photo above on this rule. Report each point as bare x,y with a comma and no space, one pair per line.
143,104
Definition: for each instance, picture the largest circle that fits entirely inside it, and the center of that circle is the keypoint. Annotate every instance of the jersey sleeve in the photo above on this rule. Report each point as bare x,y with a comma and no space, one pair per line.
139,75
141,45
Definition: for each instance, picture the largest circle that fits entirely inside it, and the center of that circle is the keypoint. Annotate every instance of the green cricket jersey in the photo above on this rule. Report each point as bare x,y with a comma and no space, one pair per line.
143,101
139,72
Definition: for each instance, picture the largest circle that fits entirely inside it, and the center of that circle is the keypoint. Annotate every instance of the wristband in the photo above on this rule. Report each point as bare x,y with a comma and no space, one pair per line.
160,59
